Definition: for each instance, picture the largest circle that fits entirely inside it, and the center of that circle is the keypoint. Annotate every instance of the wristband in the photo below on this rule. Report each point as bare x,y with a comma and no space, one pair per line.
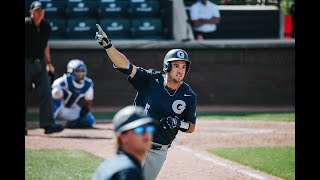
107,41
184,126
125,71
108,46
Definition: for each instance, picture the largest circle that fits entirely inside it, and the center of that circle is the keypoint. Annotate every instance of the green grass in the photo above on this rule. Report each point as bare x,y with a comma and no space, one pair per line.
278,161
268,116
59,164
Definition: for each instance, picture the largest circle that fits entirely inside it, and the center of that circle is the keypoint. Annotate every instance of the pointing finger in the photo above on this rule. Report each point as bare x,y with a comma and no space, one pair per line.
97,35
99,27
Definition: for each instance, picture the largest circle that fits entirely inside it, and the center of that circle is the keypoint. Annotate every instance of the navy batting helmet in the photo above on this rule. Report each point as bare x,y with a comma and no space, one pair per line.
76,65
130,117
173,55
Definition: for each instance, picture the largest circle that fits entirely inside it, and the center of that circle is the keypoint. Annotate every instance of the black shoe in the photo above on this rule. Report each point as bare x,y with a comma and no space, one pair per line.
53,129
77,124
72,124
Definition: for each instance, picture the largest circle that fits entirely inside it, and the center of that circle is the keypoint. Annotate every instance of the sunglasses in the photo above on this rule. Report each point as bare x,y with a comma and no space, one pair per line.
142,129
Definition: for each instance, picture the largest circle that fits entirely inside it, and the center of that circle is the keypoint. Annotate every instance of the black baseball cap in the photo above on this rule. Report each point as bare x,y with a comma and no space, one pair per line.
130,117
36,5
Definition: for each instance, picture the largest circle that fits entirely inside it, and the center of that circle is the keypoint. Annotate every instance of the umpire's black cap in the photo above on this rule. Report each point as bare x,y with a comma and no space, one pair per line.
36,5
130,117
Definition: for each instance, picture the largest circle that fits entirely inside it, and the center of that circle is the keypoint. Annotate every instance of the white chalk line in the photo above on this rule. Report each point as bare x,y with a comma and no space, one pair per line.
239,131
220,163
247,130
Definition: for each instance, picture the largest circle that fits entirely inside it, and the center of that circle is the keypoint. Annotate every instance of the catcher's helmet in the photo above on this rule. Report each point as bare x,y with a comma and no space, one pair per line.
130,117
76,65
173,55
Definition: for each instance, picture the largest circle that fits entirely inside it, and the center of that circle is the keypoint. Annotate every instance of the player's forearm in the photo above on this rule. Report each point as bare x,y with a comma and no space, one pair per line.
187,127
118,59
191,128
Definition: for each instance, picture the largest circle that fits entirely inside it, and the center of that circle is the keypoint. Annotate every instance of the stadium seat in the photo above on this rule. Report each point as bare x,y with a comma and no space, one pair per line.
145,9
147,28
55,9
81,28
81,9
112,9
117,28
58,28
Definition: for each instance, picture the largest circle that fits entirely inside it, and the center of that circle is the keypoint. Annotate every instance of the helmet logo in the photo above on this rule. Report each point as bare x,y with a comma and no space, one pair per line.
178,106
180,54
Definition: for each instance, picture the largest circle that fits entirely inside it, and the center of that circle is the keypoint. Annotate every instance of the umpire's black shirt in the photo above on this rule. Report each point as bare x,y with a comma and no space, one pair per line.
36,38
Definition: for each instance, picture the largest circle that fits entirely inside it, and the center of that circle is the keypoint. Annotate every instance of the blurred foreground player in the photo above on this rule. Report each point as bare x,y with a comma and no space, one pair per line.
134,130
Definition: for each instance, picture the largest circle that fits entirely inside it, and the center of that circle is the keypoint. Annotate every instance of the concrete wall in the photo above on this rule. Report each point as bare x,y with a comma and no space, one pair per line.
220,75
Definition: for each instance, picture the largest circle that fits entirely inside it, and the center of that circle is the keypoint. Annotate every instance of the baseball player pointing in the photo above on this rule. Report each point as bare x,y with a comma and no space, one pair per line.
164,96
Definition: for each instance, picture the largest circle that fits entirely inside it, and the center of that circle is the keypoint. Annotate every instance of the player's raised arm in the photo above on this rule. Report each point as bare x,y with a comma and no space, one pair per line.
118,59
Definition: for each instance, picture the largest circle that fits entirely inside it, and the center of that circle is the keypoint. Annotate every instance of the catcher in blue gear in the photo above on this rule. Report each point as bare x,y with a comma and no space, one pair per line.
164,96
72,96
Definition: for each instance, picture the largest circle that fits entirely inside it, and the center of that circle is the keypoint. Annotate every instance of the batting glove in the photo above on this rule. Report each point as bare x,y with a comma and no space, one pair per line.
102,38
170,122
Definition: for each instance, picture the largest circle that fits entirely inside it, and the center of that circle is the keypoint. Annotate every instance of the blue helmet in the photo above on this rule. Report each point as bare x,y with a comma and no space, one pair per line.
76,65
174,55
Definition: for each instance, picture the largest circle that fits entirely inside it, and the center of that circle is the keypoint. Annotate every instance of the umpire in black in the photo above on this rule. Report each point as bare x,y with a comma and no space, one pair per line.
37,63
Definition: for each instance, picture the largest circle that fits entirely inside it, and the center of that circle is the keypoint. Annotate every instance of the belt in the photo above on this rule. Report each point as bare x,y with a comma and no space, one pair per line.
33,60
157,146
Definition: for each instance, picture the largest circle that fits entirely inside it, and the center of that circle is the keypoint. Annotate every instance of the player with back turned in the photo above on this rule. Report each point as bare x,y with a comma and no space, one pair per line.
164,96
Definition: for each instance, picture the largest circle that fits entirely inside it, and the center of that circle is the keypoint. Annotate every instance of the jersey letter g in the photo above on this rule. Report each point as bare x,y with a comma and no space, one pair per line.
178,106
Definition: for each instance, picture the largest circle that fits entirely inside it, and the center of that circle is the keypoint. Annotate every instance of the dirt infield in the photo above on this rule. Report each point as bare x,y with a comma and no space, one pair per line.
187,158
